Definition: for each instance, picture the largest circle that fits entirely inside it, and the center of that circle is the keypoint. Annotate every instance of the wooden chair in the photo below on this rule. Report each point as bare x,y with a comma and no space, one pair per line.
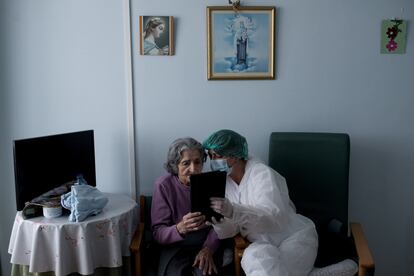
142,248
316,167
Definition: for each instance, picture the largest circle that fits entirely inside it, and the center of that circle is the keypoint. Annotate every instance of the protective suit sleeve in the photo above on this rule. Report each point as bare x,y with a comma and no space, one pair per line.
226,228
268,208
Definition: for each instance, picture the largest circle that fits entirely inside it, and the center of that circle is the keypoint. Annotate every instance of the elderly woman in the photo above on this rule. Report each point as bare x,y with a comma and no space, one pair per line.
190,244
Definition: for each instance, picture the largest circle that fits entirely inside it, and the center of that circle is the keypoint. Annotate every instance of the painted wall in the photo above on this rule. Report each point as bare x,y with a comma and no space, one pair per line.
330,77
63,69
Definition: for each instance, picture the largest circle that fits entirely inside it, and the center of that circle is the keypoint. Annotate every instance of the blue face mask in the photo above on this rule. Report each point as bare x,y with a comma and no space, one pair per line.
220,165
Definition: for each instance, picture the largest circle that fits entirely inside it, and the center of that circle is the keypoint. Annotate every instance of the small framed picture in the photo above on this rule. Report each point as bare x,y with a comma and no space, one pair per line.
393,36
156,35
240,43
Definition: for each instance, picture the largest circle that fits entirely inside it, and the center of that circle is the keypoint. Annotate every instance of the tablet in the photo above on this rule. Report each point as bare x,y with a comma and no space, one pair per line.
206,185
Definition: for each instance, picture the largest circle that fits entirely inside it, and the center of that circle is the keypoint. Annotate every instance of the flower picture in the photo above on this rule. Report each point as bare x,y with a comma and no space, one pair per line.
393,34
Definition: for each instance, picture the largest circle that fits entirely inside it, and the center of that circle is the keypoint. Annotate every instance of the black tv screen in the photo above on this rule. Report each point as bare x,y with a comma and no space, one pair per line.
44,163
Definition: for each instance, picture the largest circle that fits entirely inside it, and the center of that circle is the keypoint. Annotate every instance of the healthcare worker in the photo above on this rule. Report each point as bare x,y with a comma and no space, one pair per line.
258,206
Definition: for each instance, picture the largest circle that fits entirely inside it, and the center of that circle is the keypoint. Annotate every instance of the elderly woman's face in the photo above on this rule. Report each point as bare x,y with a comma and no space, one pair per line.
191,163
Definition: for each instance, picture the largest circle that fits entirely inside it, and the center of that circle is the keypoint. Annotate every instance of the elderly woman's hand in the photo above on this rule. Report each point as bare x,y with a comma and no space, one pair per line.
204,261
191,222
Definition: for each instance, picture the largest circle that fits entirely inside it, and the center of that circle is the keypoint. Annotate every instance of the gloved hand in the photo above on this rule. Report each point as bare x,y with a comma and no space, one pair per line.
222,206
214,221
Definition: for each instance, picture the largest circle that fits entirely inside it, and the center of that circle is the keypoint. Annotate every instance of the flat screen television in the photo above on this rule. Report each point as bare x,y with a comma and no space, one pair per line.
44,163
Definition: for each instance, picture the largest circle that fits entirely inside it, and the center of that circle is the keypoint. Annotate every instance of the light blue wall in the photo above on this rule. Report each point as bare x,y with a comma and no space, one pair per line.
330,77
63,69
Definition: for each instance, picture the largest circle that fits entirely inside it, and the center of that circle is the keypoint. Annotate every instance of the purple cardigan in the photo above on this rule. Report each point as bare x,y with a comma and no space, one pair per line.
170,202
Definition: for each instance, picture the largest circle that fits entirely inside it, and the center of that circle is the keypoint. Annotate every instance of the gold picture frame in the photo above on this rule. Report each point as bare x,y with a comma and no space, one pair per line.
241,43
156,35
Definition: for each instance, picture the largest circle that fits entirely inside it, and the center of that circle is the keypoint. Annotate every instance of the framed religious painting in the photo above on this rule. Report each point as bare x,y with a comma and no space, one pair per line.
240,43
156,35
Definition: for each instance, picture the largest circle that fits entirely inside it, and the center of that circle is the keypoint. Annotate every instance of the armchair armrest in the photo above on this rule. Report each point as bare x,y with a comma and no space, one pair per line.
135,248
137,238
365,262
240,245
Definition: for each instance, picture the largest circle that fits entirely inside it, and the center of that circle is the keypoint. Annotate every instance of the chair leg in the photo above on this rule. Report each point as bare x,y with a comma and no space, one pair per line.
237,262
137,256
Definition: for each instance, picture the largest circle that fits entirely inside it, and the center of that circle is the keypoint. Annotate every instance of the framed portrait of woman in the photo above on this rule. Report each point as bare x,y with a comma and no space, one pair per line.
156,35
240,43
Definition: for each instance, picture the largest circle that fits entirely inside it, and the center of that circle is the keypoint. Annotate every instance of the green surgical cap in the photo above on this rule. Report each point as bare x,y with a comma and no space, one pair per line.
227,143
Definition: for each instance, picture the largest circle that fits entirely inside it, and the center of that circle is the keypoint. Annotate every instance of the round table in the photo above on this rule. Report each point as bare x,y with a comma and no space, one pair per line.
58,245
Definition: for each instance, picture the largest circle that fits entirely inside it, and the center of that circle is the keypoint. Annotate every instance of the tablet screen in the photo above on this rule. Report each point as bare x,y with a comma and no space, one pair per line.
206,185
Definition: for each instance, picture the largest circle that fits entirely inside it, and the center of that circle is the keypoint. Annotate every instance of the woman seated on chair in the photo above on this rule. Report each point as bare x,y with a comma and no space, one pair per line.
257,205
191,247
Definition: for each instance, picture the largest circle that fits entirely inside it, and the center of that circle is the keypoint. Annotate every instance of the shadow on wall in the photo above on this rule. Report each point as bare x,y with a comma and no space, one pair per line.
5,65
5,130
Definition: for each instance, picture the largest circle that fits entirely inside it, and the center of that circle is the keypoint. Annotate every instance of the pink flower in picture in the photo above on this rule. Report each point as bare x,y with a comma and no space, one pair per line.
391,46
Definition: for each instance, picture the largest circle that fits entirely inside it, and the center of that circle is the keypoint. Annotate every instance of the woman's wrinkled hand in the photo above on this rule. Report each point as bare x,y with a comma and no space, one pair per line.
191,222
204,261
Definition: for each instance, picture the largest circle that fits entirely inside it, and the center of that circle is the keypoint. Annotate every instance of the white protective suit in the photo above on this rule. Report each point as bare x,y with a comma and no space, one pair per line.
283,242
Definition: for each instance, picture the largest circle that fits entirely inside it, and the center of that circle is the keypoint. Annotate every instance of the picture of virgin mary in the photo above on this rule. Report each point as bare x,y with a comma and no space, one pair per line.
156,35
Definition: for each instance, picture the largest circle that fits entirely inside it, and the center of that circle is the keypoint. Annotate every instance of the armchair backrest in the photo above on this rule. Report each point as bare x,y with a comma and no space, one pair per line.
145,209
316,169
150,250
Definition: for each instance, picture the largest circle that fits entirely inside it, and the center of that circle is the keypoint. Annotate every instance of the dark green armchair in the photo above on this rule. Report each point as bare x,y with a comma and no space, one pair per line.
316,167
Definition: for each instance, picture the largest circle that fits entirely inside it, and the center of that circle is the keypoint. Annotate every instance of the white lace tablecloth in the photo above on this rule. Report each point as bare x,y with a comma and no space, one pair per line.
64,247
